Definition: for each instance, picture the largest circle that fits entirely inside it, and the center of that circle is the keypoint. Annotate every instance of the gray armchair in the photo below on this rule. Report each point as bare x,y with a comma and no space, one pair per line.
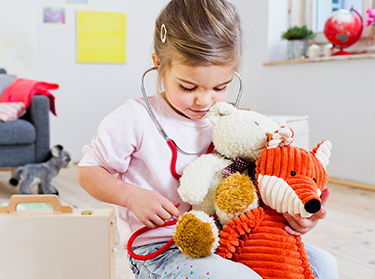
25,140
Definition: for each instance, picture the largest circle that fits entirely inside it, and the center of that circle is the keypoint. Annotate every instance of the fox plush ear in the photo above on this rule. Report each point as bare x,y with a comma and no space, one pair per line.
282,137
323,152
219,110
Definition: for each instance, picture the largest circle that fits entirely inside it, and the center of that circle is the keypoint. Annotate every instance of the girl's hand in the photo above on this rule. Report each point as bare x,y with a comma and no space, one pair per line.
299,226
151,208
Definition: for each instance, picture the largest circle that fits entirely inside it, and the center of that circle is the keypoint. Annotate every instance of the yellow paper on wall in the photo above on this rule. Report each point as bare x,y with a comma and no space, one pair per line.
101,37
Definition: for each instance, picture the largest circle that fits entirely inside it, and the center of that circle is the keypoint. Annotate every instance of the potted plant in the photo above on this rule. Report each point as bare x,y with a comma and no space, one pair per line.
298,40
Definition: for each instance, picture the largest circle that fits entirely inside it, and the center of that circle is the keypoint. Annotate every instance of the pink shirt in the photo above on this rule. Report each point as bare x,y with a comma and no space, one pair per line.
130,145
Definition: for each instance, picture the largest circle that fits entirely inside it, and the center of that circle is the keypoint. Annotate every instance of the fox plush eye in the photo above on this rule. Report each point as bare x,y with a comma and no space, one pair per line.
314,180
292,173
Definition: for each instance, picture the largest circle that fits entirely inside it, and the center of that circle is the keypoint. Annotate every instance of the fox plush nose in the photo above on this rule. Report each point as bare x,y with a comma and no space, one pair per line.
312,206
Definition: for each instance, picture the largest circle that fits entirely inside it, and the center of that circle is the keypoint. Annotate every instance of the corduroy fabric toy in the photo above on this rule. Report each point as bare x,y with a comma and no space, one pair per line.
197,234
239,137
289,179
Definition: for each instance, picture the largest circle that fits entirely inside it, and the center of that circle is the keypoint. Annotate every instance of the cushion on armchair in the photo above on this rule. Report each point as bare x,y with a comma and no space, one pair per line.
25,140
11,111
17,132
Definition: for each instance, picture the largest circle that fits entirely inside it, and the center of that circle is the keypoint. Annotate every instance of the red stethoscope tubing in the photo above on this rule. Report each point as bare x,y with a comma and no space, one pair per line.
154,254
142,230
158,252
173,147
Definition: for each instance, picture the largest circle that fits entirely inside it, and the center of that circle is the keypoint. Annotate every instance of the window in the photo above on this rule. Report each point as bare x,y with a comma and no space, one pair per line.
325,8
314,14
337,4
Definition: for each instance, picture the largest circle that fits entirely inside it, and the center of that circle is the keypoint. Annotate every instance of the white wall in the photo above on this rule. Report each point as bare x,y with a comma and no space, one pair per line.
89,91
338,96
18,44
277,24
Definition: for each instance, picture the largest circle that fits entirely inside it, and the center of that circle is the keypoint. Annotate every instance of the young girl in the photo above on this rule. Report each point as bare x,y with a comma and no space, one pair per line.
197,47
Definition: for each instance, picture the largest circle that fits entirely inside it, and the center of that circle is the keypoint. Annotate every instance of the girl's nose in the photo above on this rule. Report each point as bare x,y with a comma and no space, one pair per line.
203,99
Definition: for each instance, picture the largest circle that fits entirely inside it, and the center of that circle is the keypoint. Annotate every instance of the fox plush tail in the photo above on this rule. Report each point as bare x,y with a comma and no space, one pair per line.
16,177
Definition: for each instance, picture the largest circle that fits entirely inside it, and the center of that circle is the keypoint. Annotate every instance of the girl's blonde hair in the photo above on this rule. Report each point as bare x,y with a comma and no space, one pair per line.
198,33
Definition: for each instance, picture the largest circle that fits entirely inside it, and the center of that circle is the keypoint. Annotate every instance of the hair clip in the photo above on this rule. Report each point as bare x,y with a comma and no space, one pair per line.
163,34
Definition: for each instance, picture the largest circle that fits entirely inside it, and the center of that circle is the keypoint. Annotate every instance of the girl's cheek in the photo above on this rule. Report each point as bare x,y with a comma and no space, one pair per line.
184,98
180,100
222,97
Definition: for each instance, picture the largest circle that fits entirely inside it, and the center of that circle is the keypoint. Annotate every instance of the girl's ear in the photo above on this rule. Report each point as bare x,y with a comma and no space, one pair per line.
219,110
156,60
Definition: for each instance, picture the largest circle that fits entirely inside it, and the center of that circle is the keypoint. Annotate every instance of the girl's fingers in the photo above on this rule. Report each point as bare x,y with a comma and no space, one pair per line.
321,214
166,212
153,210
149,224
294,227
171,207
295,221
299,225
291,231
165,216
158,221
155,220
176,204
324,196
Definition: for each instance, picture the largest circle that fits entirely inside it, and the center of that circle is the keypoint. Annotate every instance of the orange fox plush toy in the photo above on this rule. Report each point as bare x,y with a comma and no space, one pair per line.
289,179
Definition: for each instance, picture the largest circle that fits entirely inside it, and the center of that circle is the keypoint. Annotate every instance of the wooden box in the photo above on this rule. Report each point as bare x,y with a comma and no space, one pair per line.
56,244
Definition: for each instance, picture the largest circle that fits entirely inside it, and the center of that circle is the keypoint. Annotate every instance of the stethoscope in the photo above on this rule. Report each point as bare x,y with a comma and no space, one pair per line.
175,148
172,144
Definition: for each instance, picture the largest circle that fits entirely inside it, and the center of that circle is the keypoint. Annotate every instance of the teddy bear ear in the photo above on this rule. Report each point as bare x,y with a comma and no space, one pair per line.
219,110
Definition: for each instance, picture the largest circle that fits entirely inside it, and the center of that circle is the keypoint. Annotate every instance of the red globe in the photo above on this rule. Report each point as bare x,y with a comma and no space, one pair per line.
343,29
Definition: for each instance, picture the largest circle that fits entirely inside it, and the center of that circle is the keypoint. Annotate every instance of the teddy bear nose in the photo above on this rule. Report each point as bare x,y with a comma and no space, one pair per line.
312,206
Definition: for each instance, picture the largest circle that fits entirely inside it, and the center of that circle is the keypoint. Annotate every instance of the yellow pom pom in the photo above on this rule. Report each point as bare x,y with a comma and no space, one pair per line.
235,194
194,237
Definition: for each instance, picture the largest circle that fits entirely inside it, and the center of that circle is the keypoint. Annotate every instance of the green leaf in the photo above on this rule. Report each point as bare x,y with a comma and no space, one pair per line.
298,33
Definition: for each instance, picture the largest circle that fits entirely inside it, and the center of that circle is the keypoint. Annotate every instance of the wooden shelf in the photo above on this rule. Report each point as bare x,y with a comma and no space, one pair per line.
322,59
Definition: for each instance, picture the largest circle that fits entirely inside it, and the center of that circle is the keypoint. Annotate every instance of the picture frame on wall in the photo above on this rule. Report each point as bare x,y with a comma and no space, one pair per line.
53,15
101,37
84,2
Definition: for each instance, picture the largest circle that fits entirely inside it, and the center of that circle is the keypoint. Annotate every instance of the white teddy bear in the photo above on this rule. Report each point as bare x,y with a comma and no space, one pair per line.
236,134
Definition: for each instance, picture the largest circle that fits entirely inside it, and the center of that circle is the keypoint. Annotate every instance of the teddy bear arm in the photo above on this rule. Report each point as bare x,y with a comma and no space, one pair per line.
200,177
